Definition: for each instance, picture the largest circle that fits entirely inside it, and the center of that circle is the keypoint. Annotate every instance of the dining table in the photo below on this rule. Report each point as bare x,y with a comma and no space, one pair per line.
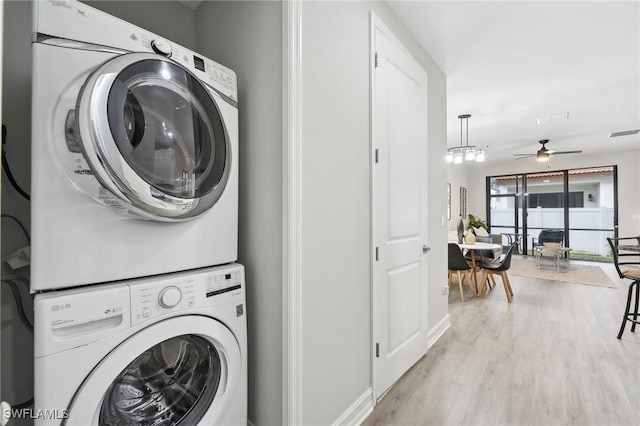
480,247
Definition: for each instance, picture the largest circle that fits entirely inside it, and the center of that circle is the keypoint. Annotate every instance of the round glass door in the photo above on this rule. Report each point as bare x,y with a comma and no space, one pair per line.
154,136
184,370
172,383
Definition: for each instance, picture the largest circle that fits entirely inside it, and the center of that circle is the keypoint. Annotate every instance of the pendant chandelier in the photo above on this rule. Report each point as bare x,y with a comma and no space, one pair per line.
466,152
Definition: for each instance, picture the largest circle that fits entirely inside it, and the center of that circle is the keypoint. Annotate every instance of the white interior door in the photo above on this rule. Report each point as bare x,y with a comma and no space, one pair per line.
399,210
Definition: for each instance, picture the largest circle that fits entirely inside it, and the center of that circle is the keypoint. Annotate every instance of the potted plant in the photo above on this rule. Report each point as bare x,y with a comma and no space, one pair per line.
475,222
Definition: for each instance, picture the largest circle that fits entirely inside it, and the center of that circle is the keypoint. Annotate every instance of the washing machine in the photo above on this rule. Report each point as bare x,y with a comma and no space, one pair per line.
134,152
169,350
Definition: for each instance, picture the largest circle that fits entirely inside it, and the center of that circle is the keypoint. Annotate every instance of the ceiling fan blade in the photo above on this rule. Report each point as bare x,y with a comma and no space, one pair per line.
565,152
523,156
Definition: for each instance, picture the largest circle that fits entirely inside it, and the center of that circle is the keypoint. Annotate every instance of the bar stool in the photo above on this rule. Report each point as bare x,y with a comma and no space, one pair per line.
620,260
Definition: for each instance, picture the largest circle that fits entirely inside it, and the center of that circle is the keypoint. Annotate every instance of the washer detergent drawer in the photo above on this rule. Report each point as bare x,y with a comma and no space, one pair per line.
78,318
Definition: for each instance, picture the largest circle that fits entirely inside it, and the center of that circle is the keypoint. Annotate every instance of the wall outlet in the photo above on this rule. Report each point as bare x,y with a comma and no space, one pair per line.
445,291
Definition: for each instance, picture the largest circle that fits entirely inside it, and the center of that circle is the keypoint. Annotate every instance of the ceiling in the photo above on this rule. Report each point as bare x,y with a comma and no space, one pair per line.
509,63
191,4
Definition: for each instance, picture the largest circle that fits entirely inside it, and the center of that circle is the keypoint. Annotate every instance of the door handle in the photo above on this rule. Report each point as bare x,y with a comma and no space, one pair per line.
425,249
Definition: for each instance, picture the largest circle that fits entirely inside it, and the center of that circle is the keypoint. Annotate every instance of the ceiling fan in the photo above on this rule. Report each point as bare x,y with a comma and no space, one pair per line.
544,153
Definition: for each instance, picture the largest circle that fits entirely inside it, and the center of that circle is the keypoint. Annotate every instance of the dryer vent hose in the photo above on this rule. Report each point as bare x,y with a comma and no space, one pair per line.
7,169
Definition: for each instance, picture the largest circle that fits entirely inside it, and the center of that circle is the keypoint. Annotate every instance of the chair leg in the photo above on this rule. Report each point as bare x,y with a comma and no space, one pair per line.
635,312
626,310
483,281
508,283
505,284
492,279
471,273
460,286
449,274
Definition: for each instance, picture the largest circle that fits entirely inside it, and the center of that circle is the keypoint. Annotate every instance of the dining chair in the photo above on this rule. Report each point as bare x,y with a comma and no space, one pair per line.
628,266
499,267
458,265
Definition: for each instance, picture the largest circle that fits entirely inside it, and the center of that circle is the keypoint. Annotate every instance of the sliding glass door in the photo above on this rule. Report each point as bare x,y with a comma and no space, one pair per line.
592,212
505,207
581,203
545,197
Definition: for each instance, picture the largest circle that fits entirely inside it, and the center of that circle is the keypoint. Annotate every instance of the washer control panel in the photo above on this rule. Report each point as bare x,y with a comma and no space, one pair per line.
158,298
223,283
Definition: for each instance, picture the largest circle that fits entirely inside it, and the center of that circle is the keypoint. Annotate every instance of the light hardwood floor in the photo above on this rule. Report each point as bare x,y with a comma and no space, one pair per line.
549,358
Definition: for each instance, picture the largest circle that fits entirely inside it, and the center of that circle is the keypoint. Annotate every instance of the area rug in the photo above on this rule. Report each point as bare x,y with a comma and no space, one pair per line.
579,274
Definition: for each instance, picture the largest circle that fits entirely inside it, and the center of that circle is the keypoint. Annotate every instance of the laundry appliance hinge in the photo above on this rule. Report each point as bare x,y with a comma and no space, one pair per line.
377,253
377,156
377,350
376,60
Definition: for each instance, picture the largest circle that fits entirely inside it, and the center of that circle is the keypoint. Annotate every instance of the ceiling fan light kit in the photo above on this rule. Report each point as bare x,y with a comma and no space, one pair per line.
543,154
468,153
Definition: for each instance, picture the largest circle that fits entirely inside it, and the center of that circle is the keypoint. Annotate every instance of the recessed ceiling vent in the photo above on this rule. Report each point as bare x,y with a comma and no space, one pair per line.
551,118
625,133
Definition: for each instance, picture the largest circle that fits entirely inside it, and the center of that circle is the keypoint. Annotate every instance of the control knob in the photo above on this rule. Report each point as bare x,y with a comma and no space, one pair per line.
161,46
169,297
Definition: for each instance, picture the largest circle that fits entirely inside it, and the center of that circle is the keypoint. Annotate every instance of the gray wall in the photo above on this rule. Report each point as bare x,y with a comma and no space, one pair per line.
17,343
247,37
336,289
170,19
167,18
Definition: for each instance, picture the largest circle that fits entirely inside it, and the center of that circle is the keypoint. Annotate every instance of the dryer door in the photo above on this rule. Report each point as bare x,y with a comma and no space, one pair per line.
181,371
153,135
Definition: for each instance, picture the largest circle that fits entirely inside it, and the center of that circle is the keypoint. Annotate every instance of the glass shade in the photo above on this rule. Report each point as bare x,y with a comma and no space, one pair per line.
470,155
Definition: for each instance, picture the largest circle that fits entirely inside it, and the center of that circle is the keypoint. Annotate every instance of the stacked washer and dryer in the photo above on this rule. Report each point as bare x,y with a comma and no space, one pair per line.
139,309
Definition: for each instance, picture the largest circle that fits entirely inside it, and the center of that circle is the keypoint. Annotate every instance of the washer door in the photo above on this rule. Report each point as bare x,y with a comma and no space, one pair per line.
181,371
153,135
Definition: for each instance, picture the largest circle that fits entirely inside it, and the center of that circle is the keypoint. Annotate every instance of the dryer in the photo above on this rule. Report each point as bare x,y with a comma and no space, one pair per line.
134,152
169,350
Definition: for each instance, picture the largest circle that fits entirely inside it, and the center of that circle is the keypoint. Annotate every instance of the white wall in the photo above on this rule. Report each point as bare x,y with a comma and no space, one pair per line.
628,181
247,37
167,18
336,289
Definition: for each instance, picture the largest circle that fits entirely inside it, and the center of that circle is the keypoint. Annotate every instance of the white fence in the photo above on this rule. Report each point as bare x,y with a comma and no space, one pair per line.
593,242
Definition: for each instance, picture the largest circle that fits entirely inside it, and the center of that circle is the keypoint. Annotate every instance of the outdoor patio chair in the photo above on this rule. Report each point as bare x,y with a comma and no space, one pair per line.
548,236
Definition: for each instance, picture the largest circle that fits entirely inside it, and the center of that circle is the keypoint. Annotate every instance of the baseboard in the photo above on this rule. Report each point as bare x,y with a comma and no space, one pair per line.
359,410
436,332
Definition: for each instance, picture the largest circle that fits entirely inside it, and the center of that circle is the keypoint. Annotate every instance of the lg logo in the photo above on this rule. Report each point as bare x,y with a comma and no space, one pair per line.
56,308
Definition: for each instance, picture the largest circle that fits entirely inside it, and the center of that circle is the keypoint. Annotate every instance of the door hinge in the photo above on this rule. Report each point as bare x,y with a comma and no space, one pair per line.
377,253
376,60
377,156
377,350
